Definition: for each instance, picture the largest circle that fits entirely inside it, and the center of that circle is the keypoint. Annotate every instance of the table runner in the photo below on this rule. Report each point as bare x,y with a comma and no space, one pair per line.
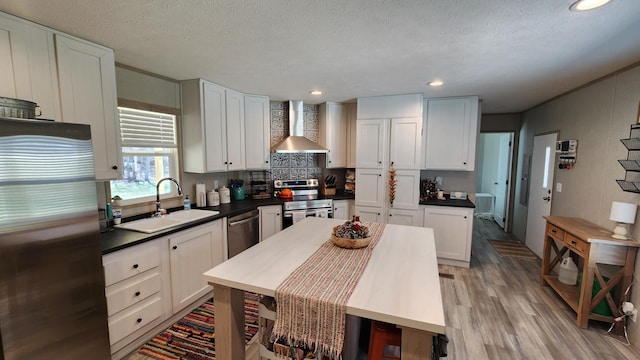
311,302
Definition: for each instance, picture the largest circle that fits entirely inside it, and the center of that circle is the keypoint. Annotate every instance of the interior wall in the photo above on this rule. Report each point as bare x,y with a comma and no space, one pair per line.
598,116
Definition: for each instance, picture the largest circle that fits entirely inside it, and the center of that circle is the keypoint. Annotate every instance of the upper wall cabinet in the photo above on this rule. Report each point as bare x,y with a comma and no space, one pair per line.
352,114
333,133
212,127
450,133
87,79
393,106
28,65
257,129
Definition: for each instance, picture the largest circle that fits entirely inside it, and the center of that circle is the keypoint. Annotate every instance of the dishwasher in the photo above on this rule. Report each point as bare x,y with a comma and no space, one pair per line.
243,232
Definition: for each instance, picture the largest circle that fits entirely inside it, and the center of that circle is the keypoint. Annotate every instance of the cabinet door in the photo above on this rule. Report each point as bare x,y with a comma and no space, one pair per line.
450,133
28,65
257,130
452,228
372,139
370,214
370,187
333,133
341,210
235,130
405,217
405,143
407,190
88,96
191,253
270,220
351,135
215,126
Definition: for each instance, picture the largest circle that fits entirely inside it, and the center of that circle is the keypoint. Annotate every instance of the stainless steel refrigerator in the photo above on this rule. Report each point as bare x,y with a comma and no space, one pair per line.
52,300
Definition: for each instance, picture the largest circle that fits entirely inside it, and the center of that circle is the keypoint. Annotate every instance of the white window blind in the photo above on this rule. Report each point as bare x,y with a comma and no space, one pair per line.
140,128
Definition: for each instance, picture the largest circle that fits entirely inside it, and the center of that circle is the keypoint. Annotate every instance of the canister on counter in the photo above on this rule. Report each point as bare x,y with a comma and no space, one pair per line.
213,198
225,195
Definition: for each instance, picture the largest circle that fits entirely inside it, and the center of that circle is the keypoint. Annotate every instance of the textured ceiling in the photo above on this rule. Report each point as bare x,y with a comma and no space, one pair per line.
514,54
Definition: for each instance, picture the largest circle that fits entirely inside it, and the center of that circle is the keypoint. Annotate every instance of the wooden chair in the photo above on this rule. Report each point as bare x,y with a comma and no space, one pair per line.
383,334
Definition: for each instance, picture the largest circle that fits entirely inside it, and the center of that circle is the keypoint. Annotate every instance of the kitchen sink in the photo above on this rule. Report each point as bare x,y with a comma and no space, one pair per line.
155,224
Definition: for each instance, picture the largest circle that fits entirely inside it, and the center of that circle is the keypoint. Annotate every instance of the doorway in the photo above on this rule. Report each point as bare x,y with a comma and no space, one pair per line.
540,190
495,157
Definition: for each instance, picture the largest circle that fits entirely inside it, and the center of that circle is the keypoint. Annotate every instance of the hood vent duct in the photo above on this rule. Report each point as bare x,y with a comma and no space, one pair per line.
296,142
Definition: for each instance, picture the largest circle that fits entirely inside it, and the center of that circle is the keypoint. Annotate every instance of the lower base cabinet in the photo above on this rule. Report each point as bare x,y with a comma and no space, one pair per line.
151,285
452,230
191,253
270,220
343,209
370,213
405,217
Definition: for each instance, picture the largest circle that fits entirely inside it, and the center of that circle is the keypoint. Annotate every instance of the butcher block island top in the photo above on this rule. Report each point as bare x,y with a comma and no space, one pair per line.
400,284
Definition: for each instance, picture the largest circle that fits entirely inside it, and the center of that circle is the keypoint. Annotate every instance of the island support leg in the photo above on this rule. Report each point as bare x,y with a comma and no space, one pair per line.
229,313
416,344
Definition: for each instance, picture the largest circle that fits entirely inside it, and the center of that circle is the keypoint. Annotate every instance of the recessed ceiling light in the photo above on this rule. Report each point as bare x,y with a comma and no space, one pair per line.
436,83
582,5
315,92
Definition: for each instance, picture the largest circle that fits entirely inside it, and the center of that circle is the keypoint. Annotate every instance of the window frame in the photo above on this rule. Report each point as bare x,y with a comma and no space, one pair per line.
155,108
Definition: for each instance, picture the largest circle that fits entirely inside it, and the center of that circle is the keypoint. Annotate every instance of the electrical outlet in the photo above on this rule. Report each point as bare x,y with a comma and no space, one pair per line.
558,187
439,180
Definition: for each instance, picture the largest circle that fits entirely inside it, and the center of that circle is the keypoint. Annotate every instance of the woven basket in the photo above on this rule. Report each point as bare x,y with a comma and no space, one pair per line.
349,243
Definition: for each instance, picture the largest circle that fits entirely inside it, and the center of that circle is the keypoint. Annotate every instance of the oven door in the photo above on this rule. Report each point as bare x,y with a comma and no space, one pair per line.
293,216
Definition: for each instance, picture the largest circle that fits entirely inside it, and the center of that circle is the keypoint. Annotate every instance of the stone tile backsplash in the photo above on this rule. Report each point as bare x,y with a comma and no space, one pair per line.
296,165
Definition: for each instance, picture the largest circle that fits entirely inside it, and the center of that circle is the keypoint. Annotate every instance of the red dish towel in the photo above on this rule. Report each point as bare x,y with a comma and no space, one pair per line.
312,301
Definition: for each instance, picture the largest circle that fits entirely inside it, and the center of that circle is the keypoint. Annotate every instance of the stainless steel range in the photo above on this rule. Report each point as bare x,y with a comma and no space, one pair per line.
301,200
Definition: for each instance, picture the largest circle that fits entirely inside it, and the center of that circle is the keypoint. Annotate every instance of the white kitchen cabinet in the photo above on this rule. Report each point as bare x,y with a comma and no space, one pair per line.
407,190
28,65
370,213
370,189
191,253
235,130
352,113
87,78
333,133
137,291
405,217
390,106
451,131
453,229
270,220
372,139
405,143
257,132
343,209
213,135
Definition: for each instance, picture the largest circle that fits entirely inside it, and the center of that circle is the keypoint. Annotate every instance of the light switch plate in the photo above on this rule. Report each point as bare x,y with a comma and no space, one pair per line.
558,187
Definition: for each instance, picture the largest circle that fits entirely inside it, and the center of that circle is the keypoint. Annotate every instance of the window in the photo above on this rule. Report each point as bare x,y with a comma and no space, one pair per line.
149,153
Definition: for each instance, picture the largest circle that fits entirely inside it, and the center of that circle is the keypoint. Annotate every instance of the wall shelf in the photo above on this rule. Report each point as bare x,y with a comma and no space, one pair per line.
631,165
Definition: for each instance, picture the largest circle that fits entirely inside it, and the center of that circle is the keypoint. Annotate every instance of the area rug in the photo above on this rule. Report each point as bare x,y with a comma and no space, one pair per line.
512,248
193,337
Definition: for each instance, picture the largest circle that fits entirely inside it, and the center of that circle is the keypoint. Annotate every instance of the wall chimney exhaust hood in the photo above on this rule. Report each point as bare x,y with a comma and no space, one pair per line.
296,142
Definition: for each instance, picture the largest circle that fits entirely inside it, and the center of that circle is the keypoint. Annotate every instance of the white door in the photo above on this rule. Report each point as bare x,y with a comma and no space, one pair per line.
540,187
501,189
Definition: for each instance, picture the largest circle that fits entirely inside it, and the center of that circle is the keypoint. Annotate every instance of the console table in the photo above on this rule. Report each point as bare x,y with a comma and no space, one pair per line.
592,246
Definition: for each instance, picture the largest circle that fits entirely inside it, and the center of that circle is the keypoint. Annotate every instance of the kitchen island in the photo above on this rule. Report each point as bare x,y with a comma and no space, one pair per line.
400,284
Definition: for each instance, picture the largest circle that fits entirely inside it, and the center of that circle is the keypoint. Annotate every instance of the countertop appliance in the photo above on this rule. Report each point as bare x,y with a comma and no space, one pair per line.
305,201
52,300
243,231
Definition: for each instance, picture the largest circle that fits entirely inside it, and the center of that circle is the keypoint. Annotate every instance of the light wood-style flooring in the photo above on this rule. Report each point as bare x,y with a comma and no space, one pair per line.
497,309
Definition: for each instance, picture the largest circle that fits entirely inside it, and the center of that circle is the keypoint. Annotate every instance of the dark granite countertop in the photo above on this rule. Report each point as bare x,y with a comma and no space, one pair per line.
449,202
118,239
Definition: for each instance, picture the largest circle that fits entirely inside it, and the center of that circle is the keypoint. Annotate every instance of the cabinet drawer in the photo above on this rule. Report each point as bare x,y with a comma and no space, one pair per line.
576,245
134,319
555,232
125,265
129,293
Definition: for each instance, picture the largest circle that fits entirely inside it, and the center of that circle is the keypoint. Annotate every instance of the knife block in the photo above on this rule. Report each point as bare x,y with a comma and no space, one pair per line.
324,190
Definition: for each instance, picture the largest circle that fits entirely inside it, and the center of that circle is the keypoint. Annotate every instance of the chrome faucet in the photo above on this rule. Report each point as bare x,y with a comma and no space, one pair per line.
158,191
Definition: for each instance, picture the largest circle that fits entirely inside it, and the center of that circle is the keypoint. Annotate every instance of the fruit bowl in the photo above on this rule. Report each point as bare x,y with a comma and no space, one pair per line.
350,243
